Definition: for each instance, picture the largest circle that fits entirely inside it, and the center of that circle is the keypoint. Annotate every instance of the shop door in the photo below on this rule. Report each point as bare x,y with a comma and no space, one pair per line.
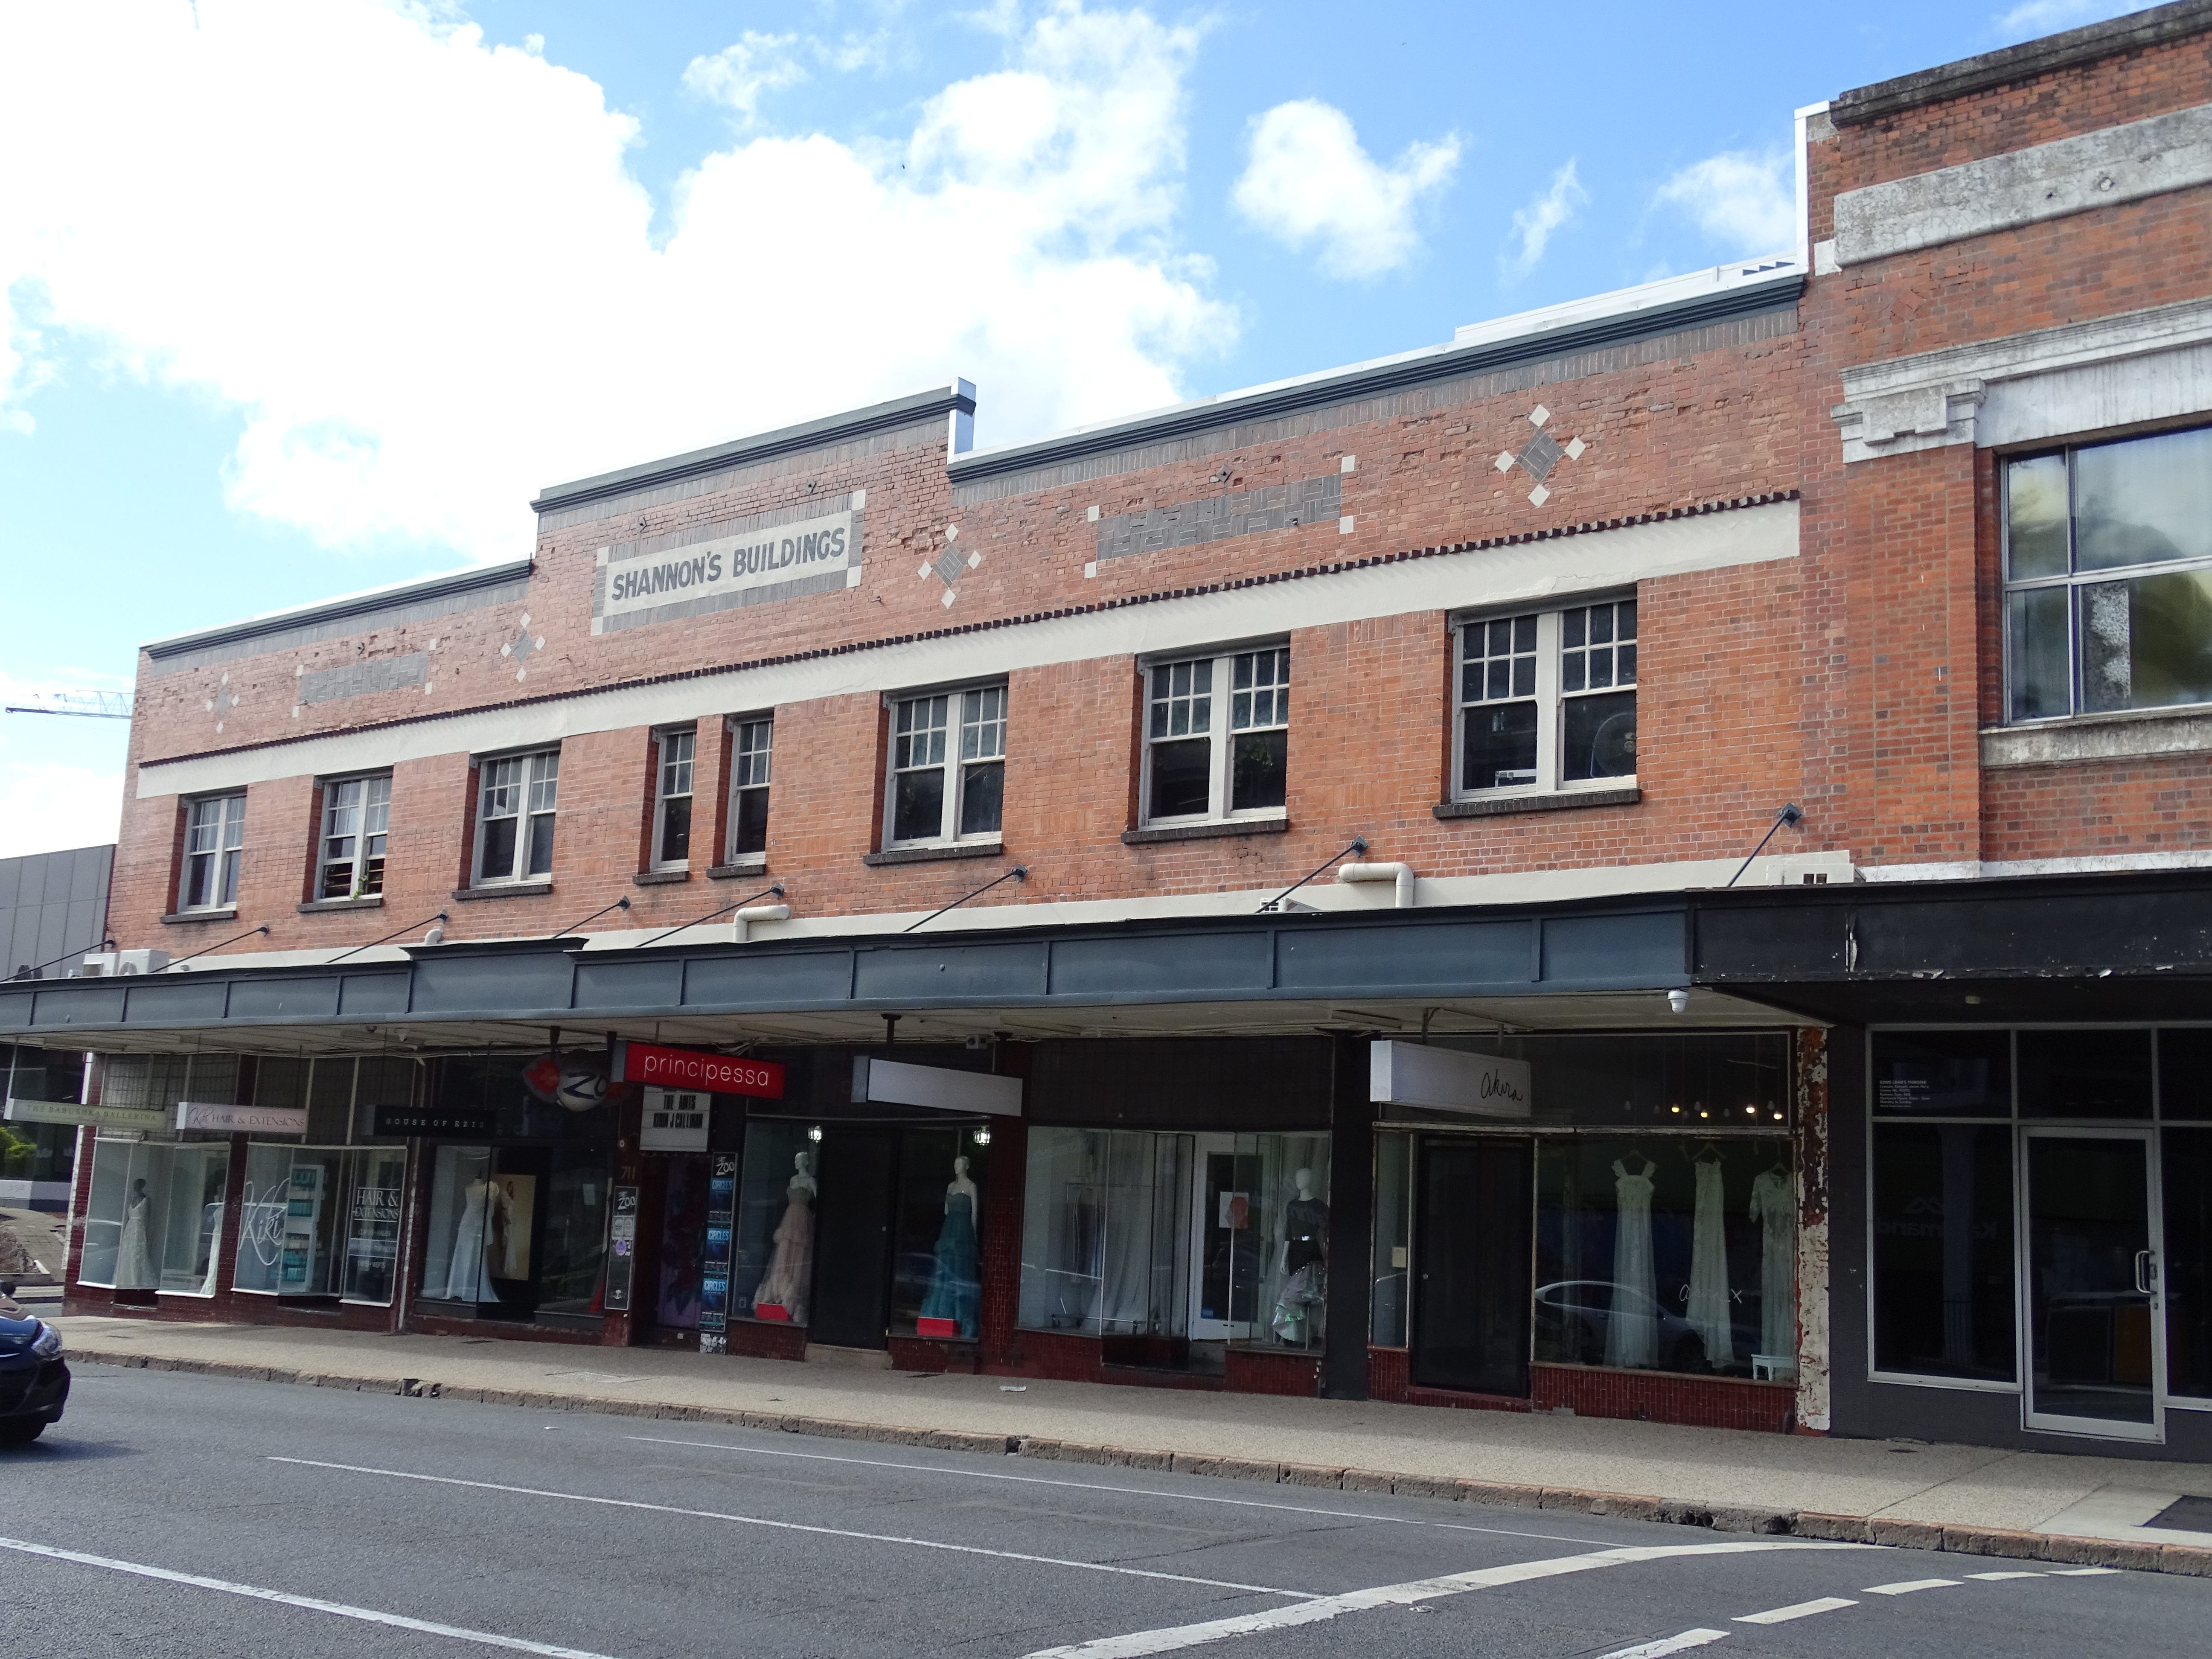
1225,1263
852,1238
1471,1286
2096,1335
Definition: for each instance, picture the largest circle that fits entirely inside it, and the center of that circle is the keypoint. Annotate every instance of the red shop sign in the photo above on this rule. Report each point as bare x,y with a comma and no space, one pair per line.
693,1068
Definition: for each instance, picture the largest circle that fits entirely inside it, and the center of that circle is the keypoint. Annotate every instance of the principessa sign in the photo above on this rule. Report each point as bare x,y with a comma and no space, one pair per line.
730,565
692,1068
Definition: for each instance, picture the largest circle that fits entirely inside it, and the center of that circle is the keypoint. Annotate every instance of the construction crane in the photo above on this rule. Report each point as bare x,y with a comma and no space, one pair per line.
85,705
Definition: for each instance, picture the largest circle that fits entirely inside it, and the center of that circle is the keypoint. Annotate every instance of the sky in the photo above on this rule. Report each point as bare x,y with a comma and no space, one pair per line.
299,297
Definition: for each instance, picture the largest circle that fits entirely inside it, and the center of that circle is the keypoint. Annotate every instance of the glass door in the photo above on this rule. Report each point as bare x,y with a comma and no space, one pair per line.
2095,1334
1224,1263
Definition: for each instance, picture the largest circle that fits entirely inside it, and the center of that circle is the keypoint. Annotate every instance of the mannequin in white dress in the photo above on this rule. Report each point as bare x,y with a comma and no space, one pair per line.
1631,1330
790,1273
1773,1206
134,1256
1708,1310
468,1275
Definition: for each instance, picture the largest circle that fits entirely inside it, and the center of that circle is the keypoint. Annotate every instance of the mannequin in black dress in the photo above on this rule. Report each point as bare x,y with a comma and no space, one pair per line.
1305,1265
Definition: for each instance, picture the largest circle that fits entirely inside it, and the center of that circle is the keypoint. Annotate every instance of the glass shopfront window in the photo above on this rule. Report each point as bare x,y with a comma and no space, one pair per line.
321,1221
518,1230
772,1270
1106,1234
192,1229
41,1151
1943,1250
1393,1238
937,1271
456,1265
1673,1255
155,1216
1282,1250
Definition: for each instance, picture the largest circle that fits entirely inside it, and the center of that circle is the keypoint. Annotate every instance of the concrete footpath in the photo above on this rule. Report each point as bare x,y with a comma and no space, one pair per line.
1974,1500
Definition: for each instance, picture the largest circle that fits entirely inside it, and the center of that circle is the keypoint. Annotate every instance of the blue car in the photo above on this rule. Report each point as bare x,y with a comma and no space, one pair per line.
34,1383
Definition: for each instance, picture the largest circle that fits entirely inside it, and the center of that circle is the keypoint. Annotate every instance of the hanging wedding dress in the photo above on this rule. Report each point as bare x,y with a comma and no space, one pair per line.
1708,1286
1631,1330
1774,1208
134,1256
468,1274
791,1263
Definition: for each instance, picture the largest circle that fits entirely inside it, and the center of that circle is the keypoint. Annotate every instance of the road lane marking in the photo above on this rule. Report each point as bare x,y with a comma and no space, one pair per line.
2081,1572
1905,1587
1320,1608
1993,1577
1103,1485
794,1526
1665,1645
370,1616
1800,1610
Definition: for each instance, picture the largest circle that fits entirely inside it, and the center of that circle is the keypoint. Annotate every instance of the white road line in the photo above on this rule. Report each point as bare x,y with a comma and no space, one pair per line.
369,1615
2082,1572
1666,1644
1172,1638
1801,1610
1905,1587
794,1526
1993,1577
1104,1485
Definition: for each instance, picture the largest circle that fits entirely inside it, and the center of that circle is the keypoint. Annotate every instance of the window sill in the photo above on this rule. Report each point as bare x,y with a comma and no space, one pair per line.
756,866
316,907
1553,800
228,913
957,849
505,890
1205,831
2136,735
660,877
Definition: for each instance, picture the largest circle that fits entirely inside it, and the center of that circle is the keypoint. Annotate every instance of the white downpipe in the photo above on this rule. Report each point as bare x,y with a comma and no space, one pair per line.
1402,874
753,913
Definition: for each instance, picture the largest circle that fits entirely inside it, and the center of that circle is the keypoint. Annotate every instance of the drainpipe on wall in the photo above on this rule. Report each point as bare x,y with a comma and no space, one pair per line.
1402,874
753,913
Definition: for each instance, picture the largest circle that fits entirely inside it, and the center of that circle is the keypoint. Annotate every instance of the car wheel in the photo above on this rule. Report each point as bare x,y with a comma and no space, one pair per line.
20,1434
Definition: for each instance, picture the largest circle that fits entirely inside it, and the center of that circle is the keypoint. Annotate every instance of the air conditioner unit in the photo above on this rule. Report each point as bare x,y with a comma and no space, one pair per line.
107,964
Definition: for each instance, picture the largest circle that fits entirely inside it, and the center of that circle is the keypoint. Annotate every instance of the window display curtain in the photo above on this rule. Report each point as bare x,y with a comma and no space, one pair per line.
1632,1329
1708,1286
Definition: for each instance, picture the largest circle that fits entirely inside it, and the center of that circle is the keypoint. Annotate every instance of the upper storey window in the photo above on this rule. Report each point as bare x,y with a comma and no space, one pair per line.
355,814
948,778
514,817
2108,577
674,760
1218,737
215,837
1547,698
751,748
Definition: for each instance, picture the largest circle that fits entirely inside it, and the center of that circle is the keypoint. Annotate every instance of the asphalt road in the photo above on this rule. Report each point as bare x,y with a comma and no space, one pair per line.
197,1516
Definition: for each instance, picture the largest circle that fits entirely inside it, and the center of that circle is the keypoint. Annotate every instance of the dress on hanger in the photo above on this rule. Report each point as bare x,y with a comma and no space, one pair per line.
134,1256
1708,1286
791,1263
1631,1330
956,1286
468,1274
1774,1209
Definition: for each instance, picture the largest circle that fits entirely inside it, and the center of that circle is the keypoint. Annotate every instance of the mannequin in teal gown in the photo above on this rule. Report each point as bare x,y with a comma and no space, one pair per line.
955,1286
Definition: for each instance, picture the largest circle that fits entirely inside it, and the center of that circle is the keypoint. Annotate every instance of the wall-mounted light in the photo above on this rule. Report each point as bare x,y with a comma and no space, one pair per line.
1679,1000
815,1133
980,1137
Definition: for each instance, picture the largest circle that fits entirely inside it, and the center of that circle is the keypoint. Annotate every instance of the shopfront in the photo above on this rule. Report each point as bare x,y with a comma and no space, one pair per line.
2040,1221
38,1126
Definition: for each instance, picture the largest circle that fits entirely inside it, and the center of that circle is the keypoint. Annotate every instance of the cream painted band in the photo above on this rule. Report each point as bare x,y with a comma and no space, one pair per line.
1531,571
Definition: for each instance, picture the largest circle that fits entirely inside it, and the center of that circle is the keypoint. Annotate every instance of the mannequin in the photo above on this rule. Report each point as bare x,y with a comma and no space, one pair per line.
791,1263
1304,1264
956,1288
134,1256
468,1277
1632,1331
1773,1208
1708,1310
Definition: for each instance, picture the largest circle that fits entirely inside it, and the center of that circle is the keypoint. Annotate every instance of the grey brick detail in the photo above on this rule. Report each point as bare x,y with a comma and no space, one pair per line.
250,643
358,679
814,507
1218,518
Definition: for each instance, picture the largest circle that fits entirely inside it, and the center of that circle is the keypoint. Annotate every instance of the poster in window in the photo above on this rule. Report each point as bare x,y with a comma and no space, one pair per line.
514,1205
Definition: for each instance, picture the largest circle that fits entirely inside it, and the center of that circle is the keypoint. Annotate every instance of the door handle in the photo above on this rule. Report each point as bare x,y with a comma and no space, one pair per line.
2146,1272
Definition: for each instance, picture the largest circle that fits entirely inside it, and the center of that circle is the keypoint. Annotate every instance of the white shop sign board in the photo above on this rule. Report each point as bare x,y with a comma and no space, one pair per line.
242,1119
99,1117
675,1120
896,1083
1447,1080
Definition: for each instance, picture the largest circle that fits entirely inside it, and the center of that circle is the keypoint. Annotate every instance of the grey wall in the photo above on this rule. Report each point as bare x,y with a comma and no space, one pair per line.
52,904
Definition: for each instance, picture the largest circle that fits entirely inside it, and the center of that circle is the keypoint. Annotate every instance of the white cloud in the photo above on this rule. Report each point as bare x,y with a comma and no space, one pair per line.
1308,180
1545,214
738,75
1747,203
418,267
45,808
2049,16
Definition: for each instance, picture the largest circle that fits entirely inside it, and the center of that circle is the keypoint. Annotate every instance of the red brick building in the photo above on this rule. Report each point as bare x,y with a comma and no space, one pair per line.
1288,892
